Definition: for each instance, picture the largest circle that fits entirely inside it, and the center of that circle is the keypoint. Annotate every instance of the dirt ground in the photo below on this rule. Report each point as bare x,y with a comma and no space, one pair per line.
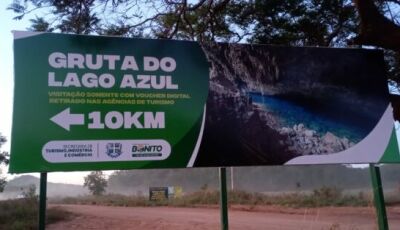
240,217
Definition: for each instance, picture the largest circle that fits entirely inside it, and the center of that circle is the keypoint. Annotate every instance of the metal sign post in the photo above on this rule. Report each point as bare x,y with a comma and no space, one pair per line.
42,201
223,199
378,197
232,182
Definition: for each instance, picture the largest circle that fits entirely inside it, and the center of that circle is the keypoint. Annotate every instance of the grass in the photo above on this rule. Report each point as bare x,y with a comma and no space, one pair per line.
318,198
22,214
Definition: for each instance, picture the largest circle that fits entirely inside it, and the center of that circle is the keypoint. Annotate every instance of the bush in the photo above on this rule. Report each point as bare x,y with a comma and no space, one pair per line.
324,196
23,214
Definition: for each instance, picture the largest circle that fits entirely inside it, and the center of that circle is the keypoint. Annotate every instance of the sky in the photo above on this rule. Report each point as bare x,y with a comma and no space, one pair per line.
6,89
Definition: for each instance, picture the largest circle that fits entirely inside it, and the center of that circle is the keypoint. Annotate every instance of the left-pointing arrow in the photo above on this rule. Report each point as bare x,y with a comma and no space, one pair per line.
65,119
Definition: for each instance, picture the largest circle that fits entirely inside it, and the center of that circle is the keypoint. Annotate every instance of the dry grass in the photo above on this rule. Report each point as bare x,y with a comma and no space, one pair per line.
22,214
318,198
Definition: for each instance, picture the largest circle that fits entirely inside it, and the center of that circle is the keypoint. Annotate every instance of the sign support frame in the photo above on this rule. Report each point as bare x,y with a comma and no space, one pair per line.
379,199
42,201
223,199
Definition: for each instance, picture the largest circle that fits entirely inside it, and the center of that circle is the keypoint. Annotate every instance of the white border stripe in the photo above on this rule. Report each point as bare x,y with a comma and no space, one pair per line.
197,147
368,150
24,34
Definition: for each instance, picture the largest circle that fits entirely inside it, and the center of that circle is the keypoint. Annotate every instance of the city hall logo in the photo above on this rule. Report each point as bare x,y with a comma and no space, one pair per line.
114,150
146,150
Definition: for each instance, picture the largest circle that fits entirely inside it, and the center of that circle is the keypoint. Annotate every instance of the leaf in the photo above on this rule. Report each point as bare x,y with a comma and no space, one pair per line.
19,17
17,8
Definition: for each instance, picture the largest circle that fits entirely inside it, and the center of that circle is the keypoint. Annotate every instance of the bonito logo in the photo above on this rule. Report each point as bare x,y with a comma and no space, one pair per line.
146,150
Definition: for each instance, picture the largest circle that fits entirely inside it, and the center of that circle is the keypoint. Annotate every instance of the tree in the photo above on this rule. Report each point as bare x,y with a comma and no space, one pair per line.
29,192
96,182
3,155
304,23
298,22
4,159
217,19
375,29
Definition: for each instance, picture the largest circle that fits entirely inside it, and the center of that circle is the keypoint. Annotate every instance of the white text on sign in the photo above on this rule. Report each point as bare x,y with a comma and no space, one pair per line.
111,120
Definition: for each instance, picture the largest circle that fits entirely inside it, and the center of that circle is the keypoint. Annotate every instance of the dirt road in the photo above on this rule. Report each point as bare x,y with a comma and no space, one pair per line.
240,217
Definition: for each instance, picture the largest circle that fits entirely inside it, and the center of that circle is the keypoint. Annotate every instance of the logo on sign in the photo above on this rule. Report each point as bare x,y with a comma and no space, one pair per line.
114,150
146,150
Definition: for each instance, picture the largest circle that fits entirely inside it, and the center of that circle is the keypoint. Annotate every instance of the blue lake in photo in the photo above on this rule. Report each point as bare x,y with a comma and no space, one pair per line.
291,113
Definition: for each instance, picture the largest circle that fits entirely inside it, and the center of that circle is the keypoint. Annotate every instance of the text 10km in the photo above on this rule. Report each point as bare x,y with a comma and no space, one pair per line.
127,120
112,120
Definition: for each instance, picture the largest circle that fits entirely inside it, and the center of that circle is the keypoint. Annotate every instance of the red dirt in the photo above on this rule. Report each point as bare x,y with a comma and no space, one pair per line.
240,217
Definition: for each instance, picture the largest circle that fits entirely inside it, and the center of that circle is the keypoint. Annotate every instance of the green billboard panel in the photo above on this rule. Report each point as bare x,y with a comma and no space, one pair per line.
99,103
88,102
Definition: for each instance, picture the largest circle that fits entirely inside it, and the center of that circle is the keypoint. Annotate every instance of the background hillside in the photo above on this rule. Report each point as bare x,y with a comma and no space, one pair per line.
15,187
255,179
251,179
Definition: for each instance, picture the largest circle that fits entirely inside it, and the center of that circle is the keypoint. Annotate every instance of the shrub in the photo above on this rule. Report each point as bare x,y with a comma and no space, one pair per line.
324,196
23,214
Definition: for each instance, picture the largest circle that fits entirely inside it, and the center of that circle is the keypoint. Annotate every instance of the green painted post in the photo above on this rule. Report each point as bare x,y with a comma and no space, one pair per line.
223,199
42,201
379,199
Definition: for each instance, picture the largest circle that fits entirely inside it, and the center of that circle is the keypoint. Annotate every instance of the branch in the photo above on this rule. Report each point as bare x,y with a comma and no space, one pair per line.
196,6
375,28
178,20
148,20
337,29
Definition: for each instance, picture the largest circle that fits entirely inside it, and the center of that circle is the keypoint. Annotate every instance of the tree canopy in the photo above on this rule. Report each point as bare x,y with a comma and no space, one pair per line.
3,160
296,22
96,182
3,155
333,23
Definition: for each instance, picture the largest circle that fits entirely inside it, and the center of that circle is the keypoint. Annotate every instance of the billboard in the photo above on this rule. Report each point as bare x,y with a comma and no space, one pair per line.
98,103
272,105
158,193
